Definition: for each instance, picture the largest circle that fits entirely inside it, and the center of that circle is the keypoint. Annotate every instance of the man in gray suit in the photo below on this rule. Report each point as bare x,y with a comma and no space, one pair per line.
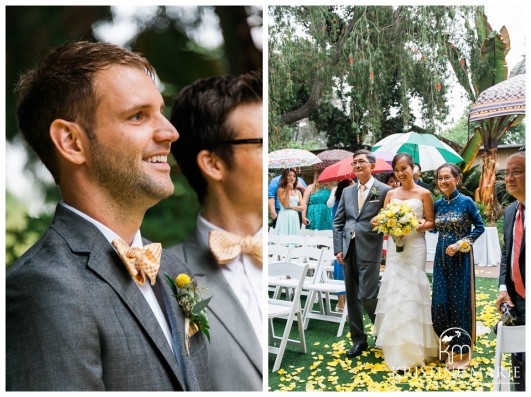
357,247
220,153
76,318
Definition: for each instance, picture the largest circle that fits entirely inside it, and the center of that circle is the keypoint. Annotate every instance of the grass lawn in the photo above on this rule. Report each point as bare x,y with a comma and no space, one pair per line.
325,366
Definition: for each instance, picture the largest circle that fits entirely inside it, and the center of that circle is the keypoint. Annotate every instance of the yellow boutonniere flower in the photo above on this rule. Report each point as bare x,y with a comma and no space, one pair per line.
182,280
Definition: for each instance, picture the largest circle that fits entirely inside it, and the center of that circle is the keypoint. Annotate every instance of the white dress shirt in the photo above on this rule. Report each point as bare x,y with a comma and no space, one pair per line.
243,274
146,289
368,187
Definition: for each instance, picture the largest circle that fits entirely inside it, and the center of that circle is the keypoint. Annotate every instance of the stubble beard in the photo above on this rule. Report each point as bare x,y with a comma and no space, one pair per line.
125,182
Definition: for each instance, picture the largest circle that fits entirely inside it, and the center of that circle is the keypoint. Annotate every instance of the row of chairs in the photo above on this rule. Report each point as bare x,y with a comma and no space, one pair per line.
315,283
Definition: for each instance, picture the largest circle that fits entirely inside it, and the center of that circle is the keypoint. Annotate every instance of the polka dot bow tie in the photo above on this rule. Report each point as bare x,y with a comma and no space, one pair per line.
226,246
140,262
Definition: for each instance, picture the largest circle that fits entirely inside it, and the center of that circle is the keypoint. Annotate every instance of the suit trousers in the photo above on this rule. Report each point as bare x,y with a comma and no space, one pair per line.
361,284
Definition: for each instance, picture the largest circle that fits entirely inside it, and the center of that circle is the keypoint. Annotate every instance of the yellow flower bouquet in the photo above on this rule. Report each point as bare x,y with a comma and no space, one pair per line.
397,220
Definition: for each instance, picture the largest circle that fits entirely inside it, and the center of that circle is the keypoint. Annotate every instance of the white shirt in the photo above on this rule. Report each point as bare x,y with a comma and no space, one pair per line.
146,289
243,274
368,187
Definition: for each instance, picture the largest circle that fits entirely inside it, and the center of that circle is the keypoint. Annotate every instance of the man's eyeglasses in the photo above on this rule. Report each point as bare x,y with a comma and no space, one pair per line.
515,173
360,162
245,141
445,179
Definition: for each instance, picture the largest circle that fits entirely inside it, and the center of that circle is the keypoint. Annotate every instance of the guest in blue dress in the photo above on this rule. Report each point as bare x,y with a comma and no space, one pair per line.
290,203
339,271
453,299
320,216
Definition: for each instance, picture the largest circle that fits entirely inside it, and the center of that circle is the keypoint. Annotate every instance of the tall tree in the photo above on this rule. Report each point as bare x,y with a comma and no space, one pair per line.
378,58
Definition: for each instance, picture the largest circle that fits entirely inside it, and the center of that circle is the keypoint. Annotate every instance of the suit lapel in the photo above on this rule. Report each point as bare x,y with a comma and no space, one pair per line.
223,297
105,262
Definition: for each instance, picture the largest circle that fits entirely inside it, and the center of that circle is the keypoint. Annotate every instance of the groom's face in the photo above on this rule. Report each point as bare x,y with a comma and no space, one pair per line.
128,157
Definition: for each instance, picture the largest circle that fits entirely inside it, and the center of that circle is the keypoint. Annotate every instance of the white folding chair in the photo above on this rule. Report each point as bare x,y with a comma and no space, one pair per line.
278,252
305,232
326,233
320,241
509,339
321,289
307,255
273,238
295,240
290,310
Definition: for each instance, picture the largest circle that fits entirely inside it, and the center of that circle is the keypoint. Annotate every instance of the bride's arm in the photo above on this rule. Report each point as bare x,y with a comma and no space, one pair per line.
429,214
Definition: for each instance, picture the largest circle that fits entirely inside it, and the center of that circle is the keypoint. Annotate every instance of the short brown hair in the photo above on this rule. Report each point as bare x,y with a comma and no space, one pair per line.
61,86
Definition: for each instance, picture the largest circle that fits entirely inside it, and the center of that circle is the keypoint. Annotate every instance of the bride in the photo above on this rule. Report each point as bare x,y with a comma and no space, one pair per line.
403,325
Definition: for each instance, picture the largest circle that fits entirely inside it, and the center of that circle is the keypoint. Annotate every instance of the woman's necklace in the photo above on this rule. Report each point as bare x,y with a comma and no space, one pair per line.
452,199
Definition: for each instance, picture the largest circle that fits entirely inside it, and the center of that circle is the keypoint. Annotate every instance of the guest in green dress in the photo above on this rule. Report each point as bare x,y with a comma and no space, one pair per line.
453,300
316,210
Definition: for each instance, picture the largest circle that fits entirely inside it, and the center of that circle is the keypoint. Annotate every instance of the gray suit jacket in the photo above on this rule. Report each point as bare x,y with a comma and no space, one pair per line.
349,220
76,320
234,352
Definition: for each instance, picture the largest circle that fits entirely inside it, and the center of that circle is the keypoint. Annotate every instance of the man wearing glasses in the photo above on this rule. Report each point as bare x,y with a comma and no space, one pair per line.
512,268
358,247
219,121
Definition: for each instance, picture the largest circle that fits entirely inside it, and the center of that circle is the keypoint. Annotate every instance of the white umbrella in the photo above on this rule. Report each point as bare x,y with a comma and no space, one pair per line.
426,150
288,158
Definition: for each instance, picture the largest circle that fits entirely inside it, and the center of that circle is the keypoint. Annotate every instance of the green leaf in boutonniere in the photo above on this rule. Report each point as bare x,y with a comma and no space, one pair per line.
194,307
375,192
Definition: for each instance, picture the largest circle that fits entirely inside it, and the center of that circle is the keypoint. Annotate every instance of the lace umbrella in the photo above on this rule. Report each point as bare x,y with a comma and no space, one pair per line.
288,158
329,157
503,99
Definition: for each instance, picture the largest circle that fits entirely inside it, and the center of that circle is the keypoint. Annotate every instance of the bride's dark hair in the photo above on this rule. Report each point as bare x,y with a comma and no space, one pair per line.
407,156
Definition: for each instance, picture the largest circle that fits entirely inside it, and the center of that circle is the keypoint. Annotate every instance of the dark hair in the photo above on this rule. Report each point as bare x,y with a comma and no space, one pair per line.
200,116
454,169
283,183
418,165
340,187
407,156
370,155
61,86
389,176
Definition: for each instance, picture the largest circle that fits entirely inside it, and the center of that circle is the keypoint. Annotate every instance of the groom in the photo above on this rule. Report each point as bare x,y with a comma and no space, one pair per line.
77,317
357,247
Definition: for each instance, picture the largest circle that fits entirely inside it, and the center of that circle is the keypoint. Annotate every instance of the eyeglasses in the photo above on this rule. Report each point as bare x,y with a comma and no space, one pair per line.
245,141
356,163
445,179
515,173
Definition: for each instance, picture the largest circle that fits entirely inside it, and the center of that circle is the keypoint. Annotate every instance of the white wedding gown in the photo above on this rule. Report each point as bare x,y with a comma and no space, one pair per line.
403,323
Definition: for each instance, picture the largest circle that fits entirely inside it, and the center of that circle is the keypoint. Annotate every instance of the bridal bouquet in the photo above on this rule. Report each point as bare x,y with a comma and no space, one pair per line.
396,220
189,298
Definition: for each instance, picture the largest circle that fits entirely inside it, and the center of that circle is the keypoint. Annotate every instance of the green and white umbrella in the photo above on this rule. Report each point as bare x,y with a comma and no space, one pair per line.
426,149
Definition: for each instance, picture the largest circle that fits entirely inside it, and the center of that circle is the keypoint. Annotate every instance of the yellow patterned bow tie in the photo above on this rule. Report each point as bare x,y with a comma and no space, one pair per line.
226,246
140,261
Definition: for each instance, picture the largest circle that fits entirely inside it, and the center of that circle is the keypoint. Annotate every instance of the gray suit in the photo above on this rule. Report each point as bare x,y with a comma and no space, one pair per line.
234,352
76,320
363,256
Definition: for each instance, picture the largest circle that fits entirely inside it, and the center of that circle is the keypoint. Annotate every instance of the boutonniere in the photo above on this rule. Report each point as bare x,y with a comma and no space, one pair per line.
190,300
375,192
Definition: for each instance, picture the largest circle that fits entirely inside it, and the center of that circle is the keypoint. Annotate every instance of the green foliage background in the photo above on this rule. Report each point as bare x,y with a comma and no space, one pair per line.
166,39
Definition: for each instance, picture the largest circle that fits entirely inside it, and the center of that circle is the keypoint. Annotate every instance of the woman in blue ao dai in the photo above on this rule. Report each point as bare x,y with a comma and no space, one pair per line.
453,301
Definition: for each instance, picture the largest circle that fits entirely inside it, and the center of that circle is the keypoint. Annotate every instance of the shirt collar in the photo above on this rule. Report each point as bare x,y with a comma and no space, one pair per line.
107,233
369,183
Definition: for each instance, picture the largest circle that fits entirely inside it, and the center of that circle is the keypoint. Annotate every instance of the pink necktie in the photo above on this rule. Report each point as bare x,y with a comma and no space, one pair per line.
517,244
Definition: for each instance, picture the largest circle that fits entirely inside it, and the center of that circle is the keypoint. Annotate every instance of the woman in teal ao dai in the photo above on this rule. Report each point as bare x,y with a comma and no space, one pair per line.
319,214
453,299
